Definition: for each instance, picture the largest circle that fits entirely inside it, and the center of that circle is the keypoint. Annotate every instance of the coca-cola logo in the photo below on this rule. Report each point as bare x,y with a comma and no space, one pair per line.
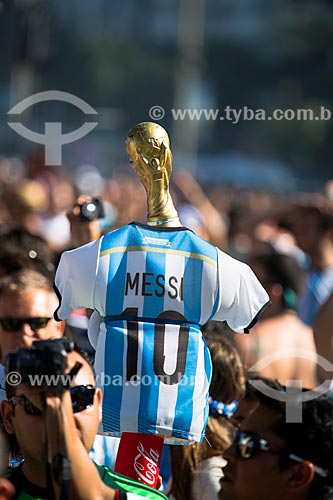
145,465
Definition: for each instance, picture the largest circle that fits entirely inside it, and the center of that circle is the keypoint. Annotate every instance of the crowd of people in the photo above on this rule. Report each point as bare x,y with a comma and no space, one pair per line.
251,449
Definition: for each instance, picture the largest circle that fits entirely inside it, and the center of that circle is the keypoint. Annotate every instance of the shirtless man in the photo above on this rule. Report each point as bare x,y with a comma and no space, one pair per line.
280,333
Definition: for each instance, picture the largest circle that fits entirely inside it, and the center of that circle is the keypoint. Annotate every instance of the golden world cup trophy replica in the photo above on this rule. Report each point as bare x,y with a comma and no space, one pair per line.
152,287
148,148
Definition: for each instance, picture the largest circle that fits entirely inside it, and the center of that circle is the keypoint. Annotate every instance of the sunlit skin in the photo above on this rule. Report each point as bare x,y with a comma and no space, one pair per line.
279,330
30,429
6,490
32,303
262,477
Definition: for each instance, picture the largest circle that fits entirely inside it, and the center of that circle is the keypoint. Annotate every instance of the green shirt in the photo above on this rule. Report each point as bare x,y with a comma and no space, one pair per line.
25,490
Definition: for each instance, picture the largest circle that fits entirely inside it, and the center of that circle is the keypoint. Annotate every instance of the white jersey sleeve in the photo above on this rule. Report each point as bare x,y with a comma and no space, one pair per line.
241,295
75,279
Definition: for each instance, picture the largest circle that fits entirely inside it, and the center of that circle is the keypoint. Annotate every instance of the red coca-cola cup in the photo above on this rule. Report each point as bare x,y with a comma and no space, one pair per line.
139,457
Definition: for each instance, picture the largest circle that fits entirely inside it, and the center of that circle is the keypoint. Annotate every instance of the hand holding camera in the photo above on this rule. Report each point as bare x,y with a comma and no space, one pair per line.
84,220
45,360
89,219
92,210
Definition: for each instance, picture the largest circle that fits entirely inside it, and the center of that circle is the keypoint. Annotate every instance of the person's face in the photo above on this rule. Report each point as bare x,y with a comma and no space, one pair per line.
86,421
36,303
260,477
29,430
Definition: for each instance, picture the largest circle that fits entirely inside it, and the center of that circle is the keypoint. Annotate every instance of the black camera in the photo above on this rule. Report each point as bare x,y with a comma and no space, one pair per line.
92,210
45,357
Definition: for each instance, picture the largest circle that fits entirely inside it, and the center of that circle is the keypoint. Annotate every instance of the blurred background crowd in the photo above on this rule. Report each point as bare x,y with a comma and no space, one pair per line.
287,240
123,58
260,190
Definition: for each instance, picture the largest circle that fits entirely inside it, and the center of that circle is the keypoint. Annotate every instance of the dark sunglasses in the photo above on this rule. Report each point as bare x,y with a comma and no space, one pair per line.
248,445
82,398
14,324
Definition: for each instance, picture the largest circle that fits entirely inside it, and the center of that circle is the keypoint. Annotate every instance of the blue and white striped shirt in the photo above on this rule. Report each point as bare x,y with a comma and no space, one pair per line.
152,289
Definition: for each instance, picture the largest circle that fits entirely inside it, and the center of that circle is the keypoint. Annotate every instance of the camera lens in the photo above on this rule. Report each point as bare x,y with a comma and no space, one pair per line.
92,209
89,210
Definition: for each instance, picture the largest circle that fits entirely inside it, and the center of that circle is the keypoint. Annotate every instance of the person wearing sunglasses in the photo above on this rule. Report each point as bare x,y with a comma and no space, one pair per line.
76,419
27,302
271,458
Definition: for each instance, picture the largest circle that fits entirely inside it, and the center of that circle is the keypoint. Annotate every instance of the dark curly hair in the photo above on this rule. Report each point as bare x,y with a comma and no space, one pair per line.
311,439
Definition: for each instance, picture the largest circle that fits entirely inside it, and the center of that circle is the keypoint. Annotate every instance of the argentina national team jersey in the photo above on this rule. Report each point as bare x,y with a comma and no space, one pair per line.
151,290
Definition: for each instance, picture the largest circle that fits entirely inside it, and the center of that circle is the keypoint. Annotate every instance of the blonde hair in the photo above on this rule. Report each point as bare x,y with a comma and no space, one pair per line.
23,280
